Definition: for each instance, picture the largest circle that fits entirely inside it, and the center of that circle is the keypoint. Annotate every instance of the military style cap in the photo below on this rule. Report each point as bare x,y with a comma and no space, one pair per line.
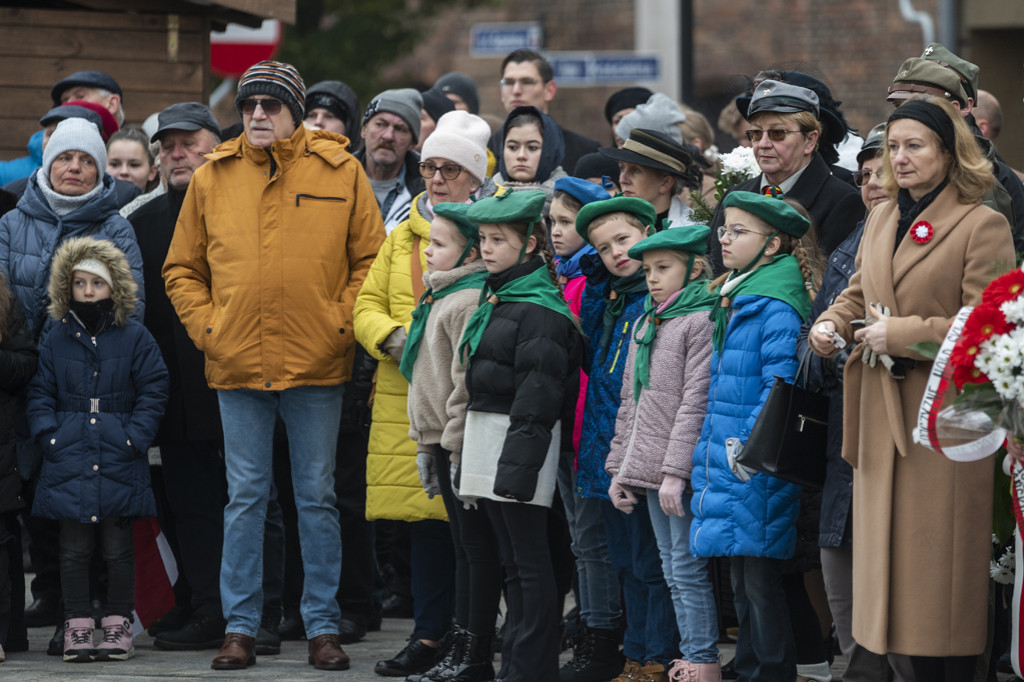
641,208
918,76
457,213
781,98
690,238
968,72
523,206
874,141
773,211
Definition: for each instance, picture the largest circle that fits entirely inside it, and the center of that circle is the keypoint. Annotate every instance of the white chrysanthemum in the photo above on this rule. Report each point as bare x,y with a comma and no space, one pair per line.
1002,570
1001,358
1013,310
740,160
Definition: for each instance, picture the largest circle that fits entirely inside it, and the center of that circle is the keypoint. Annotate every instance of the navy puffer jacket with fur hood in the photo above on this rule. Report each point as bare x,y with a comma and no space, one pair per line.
95,403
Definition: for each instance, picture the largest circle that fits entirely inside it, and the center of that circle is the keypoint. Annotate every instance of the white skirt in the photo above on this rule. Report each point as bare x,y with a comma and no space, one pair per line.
482,443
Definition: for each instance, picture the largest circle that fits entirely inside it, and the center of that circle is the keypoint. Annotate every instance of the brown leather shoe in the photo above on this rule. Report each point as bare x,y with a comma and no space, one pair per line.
325,653
237,652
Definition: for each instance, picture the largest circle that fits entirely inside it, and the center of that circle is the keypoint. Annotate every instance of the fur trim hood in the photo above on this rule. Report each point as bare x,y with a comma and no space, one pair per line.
123,287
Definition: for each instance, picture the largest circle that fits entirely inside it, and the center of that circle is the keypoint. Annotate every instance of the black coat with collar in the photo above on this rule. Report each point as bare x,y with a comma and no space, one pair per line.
835,207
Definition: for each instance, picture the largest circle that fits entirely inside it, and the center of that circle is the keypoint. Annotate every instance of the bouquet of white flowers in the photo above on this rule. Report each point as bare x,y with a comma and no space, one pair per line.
737,166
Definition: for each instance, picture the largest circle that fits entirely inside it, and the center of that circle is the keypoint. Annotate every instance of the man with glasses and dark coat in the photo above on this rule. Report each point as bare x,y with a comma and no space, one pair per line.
274,239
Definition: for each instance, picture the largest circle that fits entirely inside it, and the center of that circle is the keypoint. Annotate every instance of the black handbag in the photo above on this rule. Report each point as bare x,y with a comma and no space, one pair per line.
790,436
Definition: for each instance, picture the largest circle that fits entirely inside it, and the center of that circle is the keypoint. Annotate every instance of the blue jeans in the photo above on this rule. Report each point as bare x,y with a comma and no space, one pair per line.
651,633
600,597
688,581
765,650
311,415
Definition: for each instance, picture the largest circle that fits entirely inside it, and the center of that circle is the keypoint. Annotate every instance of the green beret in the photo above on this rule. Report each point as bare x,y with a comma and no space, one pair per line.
456,212
522,206
775,212
641,208
690,238
968,72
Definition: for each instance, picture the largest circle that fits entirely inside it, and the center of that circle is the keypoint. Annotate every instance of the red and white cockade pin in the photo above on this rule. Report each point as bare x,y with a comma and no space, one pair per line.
922,232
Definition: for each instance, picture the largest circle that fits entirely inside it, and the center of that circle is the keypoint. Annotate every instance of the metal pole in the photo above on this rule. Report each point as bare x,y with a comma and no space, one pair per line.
686,85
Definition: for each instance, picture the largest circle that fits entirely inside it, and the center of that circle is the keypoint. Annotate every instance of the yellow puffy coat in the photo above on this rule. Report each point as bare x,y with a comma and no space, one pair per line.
384,304
267,257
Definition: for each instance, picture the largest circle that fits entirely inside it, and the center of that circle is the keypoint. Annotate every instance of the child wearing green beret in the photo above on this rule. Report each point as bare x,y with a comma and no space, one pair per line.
664,399
613,304
770,250
524,351
437,416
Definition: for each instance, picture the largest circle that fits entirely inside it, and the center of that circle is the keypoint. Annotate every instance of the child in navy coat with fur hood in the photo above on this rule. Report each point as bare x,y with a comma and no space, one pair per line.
94,406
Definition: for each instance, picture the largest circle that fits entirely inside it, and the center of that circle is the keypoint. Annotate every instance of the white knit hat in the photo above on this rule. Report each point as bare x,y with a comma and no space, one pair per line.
460,137
76,134
94,267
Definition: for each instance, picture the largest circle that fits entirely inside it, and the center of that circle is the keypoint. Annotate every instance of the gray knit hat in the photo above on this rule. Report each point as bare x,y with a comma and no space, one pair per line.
275,79
406,103
462,85
659,113
77,134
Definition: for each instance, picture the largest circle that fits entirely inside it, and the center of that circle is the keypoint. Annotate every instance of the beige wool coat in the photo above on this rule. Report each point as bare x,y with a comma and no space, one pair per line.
921,522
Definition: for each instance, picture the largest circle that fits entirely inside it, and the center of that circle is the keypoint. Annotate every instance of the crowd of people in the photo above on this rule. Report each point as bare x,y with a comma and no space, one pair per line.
401,361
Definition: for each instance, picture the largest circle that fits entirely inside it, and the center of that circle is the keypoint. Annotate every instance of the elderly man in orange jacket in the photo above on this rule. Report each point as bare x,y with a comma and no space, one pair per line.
274,239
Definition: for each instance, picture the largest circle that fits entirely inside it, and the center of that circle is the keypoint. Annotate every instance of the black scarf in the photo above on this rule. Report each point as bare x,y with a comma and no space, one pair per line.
909,210
95,316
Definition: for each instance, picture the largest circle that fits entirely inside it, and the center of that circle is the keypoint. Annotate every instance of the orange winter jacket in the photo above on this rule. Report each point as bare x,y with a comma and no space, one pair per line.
269,252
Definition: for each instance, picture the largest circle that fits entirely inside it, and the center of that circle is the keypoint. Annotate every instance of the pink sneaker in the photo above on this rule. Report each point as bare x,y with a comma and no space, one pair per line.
117,639
78,646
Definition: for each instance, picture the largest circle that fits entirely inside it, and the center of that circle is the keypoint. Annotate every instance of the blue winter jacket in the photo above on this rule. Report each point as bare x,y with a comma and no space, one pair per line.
24,166
95,463
604,371
31,233
732,518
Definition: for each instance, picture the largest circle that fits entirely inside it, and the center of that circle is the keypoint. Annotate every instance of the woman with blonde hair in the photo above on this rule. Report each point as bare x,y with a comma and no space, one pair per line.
922,522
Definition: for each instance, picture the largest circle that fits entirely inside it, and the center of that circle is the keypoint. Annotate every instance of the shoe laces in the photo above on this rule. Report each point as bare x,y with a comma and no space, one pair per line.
81,636
682,671
112,633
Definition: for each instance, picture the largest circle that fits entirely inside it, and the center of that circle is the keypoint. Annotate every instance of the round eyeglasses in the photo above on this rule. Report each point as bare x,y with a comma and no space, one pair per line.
449,171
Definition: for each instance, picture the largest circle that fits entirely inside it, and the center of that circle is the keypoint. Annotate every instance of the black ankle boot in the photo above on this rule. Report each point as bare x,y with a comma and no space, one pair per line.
476,663
594,659
451,654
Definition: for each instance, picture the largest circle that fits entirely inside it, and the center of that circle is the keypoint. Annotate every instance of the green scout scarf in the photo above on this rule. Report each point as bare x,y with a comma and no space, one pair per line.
474,280
781,279
535,287
694,298
616,303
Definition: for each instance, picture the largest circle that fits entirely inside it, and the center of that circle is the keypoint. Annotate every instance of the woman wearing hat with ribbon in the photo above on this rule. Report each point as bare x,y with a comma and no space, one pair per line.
523,350
785,127
746,516
922,522
664,398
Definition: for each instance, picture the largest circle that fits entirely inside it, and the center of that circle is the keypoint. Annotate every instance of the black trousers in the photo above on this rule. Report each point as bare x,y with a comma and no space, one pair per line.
530,649
933,668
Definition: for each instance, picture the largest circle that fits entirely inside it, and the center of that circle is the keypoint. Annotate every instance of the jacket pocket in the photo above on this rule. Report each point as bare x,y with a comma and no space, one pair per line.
310,198
211,332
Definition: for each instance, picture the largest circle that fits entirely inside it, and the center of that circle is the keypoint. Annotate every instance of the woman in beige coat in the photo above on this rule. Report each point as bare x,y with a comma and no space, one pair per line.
922,522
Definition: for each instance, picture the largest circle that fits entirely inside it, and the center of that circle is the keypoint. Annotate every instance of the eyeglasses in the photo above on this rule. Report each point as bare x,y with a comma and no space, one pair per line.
774,134
523,82
449,171
271,107
862,177
732,232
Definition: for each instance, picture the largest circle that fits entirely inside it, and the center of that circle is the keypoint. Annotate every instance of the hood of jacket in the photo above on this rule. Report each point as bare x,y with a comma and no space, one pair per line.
123,288
94,211
287,151
344,94
552,150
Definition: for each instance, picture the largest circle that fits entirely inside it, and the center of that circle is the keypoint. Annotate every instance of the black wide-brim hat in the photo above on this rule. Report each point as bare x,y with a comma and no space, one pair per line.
651,149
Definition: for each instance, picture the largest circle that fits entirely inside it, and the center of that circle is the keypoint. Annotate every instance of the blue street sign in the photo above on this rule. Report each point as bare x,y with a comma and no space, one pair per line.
579,69
490,40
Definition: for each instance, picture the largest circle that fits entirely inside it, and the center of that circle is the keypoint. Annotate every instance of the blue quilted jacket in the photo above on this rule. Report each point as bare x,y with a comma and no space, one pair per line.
31,233
732,518
605,379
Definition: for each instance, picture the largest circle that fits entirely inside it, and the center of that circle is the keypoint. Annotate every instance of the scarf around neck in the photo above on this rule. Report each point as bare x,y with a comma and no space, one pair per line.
570,267
781,279
693,298
910,209
534,287
620,288
63,204
418,327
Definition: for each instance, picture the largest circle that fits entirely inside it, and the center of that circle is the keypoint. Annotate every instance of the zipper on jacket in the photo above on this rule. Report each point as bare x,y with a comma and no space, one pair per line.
707,457
618,348
632,434
273,164
299,197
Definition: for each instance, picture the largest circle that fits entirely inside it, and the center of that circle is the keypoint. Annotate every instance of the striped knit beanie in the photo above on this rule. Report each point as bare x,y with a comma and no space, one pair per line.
275,79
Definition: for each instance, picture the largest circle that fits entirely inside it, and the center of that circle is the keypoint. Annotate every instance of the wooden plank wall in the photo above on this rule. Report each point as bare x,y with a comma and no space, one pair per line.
154,64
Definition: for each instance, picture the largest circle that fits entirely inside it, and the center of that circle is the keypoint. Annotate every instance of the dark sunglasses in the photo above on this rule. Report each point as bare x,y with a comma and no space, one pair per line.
774,134
271,107
862,177
449,171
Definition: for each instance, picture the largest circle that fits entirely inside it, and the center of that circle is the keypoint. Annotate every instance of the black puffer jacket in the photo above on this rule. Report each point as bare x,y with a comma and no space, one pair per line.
526,366
18,357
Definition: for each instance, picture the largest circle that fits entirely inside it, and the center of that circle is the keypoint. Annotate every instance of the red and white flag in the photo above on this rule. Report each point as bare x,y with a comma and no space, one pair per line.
156,571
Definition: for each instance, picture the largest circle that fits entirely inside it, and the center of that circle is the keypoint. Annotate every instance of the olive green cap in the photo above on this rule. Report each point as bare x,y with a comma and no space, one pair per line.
772,210
968,72
689,238
641,208
918,76
456,213
518,206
